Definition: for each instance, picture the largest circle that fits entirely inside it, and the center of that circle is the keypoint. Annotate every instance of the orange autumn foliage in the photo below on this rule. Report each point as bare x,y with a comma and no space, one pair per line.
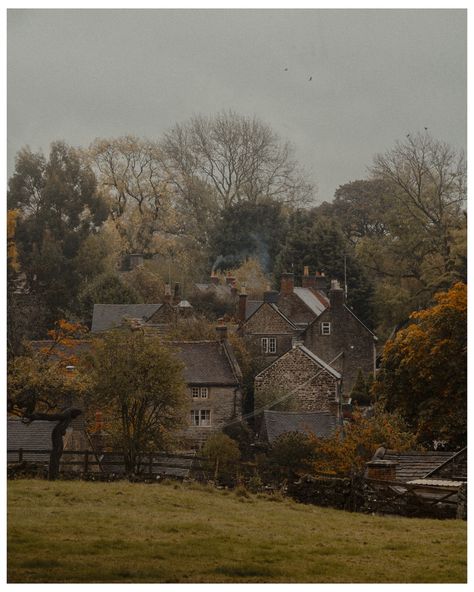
354,444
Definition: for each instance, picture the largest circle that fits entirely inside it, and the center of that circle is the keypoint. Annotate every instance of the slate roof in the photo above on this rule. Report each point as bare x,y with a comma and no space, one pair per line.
318,360
75,348
416,465
315,304
33,436
108,316
251,306
208,362
313,357
276,423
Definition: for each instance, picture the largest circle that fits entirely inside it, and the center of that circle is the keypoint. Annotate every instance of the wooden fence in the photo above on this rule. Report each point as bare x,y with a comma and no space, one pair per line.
86,462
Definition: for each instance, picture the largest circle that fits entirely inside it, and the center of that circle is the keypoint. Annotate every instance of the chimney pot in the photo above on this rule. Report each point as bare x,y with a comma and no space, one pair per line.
306,270
214,278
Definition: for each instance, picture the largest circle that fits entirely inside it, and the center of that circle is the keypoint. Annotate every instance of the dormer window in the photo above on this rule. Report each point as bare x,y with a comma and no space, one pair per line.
325,328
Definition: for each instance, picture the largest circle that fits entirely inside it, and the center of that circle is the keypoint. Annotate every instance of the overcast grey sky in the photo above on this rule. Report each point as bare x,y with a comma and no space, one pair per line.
376,74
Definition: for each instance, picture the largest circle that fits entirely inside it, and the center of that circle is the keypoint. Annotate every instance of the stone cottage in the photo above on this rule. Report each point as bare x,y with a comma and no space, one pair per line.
213,379
342,340
268,331
304,379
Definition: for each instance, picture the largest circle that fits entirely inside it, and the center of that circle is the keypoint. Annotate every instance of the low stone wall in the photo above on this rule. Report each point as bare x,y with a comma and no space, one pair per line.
331,492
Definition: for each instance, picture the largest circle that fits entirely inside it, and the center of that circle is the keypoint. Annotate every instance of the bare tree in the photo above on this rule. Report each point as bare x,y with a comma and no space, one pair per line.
237,158
428,180
130,174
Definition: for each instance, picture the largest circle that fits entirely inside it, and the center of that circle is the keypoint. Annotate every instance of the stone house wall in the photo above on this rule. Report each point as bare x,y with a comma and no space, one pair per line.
347,335
224,403
267,322
294,369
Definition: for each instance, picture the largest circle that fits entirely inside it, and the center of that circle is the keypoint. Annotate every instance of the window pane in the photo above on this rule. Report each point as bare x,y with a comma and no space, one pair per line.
195,391
204,392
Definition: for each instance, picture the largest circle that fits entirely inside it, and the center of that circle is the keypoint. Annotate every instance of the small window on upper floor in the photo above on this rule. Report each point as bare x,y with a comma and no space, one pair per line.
195,392
325,328
269,345
204,392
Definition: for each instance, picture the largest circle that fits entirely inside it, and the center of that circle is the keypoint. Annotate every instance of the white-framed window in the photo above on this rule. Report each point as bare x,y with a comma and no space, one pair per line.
201,417
200,392
325,328
269,345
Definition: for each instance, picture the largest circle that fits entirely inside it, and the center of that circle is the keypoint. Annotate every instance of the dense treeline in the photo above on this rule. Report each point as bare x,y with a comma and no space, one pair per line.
221,193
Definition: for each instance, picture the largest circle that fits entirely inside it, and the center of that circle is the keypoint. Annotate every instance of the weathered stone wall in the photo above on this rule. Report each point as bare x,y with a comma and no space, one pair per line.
284,343
294,370
328,492
225,404
348,336
267,321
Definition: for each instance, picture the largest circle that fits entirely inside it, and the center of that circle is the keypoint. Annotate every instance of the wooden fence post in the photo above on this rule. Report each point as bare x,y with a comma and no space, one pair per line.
86,462
150,463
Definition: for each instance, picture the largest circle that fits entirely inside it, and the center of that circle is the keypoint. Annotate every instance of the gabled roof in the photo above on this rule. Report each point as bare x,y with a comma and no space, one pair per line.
318,360
316,304
108,316
416,465
251,306
277,310
276,423
207,362
365,326
30,437
313,357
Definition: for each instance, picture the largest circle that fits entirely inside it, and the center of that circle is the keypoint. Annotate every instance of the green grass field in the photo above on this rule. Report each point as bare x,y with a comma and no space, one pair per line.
122,532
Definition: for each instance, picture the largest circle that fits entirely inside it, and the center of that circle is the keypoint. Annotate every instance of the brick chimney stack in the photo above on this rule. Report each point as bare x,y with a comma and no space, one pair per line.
214,278
382,470
308,281
336,295
287,283
242,304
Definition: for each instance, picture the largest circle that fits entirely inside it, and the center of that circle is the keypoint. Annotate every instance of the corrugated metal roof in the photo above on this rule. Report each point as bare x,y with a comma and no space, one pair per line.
310,299
436,482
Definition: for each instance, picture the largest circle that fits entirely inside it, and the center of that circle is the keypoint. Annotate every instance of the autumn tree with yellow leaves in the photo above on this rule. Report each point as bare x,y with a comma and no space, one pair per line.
424,370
